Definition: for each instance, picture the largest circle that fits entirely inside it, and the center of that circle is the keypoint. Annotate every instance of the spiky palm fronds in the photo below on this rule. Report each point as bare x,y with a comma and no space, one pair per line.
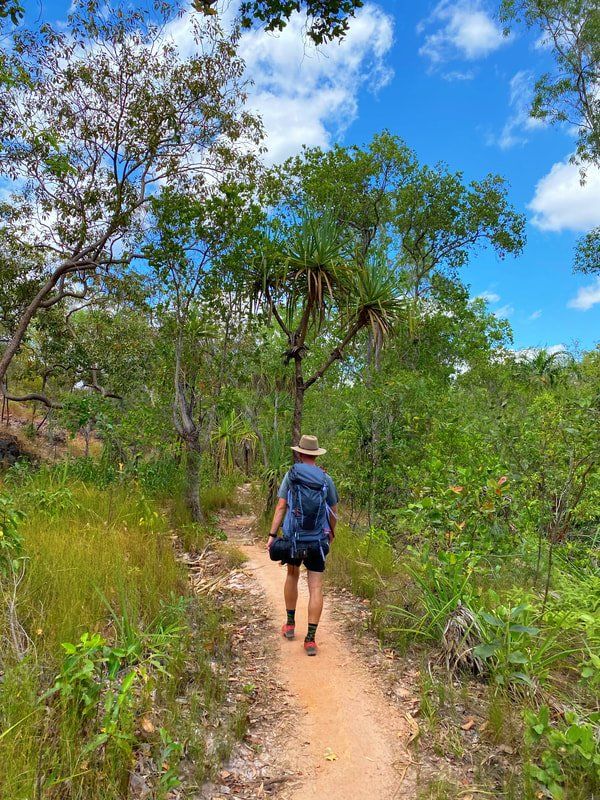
232,432
375,300
315,255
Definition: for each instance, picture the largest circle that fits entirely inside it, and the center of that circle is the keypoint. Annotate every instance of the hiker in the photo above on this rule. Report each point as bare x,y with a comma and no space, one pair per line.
308,501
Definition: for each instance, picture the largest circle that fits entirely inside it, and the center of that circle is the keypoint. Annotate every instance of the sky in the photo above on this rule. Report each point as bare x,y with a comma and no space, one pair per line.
443,77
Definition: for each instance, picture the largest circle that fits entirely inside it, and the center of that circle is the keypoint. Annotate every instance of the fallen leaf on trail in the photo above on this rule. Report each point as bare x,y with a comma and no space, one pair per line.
504,748
468,724
483,727
330,755
147,725
415,731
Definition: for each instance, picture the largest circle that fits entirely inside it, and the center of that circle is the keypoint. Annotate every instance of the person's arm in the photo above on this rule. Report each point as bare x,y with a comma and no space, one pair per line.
278,516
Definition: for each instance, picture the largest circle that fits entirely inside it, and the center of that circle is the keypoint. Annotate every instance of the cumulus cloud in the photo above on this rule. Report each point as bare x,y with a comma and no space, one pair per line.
504,311
561,202
586,297
306,95
520,123
489,297
459,29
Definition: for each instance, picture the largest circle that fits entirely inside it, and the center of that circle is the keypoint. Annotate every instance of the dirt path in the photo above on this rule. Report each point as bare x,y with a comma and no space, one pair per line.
349,741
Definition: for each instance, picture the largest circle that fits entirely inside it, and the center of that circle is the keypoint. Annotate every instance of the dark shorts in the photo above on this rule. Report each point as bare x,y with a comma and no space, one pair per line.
314,562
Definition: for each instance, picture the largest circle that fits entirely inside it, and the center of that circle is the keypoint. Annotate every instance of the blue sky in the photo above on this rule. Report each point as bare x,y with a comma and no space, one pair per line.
470,123
441,76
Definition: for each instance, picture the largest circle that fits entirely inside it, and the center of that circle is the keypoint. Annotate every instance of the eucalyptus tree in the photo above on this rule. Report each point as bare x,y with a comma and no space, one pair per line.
109,112
325,19
427,220
192,245
569,94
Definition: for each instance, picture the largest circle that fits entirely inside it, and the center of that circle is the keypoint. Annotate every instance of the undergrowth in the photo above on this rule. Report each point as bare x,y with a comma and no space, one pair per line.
106,659
531,647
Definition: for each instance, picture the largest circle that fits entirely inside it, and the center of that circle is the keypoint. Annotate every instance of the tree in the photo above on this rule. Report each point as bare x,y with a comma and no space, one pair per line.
108,113
395,226
311,279
587,255
572,29
189,241
425,219
326,19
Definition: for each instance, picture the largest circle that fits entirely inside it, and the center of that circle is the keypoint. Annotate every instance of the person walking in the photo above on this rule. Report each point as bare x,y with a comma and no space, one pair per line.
307,507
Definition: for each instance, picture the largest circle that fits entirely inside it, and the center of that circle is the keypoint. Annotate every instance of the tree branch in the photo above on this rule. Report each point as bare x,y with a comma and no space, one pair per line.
40,398
336,354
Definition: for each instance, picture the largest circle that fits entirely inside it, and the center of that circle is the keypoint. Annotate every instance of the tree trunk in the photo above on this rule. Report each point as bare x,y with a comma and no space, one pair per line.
193,461
299,389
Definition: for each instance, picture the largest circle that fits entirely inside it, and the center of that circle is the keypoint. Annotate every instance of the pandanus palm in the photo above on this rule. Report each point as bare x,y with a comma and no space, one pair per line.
232,432
314,279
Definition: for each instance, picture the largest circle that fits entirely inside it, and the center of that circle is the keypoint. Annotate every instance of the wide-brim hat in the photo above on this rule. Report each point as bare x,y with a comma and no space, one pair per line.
309,445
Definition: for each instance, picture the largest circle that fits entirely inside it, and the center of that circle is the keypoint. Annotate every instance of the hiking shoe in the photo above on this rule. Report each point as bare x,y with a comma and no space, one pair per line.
311,648
288,631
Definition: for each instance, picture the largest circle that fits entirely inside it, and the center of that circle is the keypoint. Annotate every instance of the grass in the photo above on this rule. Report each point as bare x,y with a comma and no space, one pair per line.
364,563
555,644
99,560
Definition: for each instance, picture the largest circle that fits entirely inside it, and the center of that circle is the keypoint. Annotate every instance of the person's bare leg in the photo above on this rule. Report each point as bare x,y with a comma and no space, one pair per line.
315,599
290,588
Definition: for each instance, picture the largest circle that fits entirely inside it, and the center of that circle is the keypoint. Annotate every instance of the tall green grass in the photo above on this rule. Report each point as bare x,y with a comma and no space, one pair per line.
98,561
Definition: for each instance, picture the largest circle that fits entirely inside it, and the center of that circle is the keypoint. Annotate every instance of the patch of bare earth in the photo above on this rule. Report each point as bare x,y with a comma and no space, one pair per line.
255,768
454,744
325,727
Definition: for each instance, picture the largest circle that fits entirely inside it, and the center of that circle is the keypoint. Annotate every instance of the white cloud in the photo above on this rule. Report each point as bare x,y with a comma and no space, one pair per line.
489,297
561,202
308,96
459,29
459,75
586,297
536,315
529,353
520,121
505,311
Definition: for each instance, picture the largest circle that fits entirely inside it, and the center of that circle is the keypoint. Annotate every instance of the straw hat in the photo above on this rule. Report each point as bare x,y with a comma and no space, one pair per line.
309,445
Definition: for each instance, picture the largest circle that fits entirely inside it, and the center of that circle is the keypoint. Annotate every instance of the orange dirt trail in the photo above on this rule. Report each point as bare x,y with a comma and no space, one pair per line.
349,739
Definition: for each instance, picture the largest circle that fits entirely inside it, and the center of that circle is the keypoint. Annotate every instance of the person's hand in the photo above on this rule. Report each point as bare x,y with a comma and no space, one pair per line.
270,541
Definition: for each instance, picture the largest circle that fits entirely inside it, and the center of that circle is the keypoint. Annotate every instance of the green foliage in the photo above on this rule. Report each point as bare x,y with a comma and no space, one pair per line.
443,581
11,538
571,28
326,19
100,600
507,644
566,753
587,255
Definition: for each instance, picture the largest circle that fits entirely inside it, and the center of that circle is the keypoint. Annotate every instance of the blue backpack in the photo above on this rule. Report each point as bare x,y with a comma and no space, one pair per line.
308,512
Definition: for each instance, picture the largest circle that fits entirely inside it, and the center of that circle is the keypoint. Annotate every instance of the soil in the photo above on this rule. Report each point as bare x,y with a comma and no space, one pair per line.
346,739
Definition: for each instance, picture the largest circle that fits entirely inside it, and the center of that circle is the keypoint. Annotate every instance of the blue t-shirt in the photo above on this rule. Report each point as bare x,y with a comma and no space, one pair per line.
332,495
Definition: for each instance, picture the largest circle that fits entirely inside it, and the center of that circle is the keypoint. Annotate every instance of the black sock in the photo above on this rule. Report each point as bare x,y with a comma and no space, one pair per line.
291,616
312,629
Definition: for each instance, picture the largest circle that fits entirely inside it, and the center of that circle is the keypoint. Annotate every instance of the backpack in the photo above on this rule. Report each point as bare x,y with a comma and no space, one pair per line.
308,512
